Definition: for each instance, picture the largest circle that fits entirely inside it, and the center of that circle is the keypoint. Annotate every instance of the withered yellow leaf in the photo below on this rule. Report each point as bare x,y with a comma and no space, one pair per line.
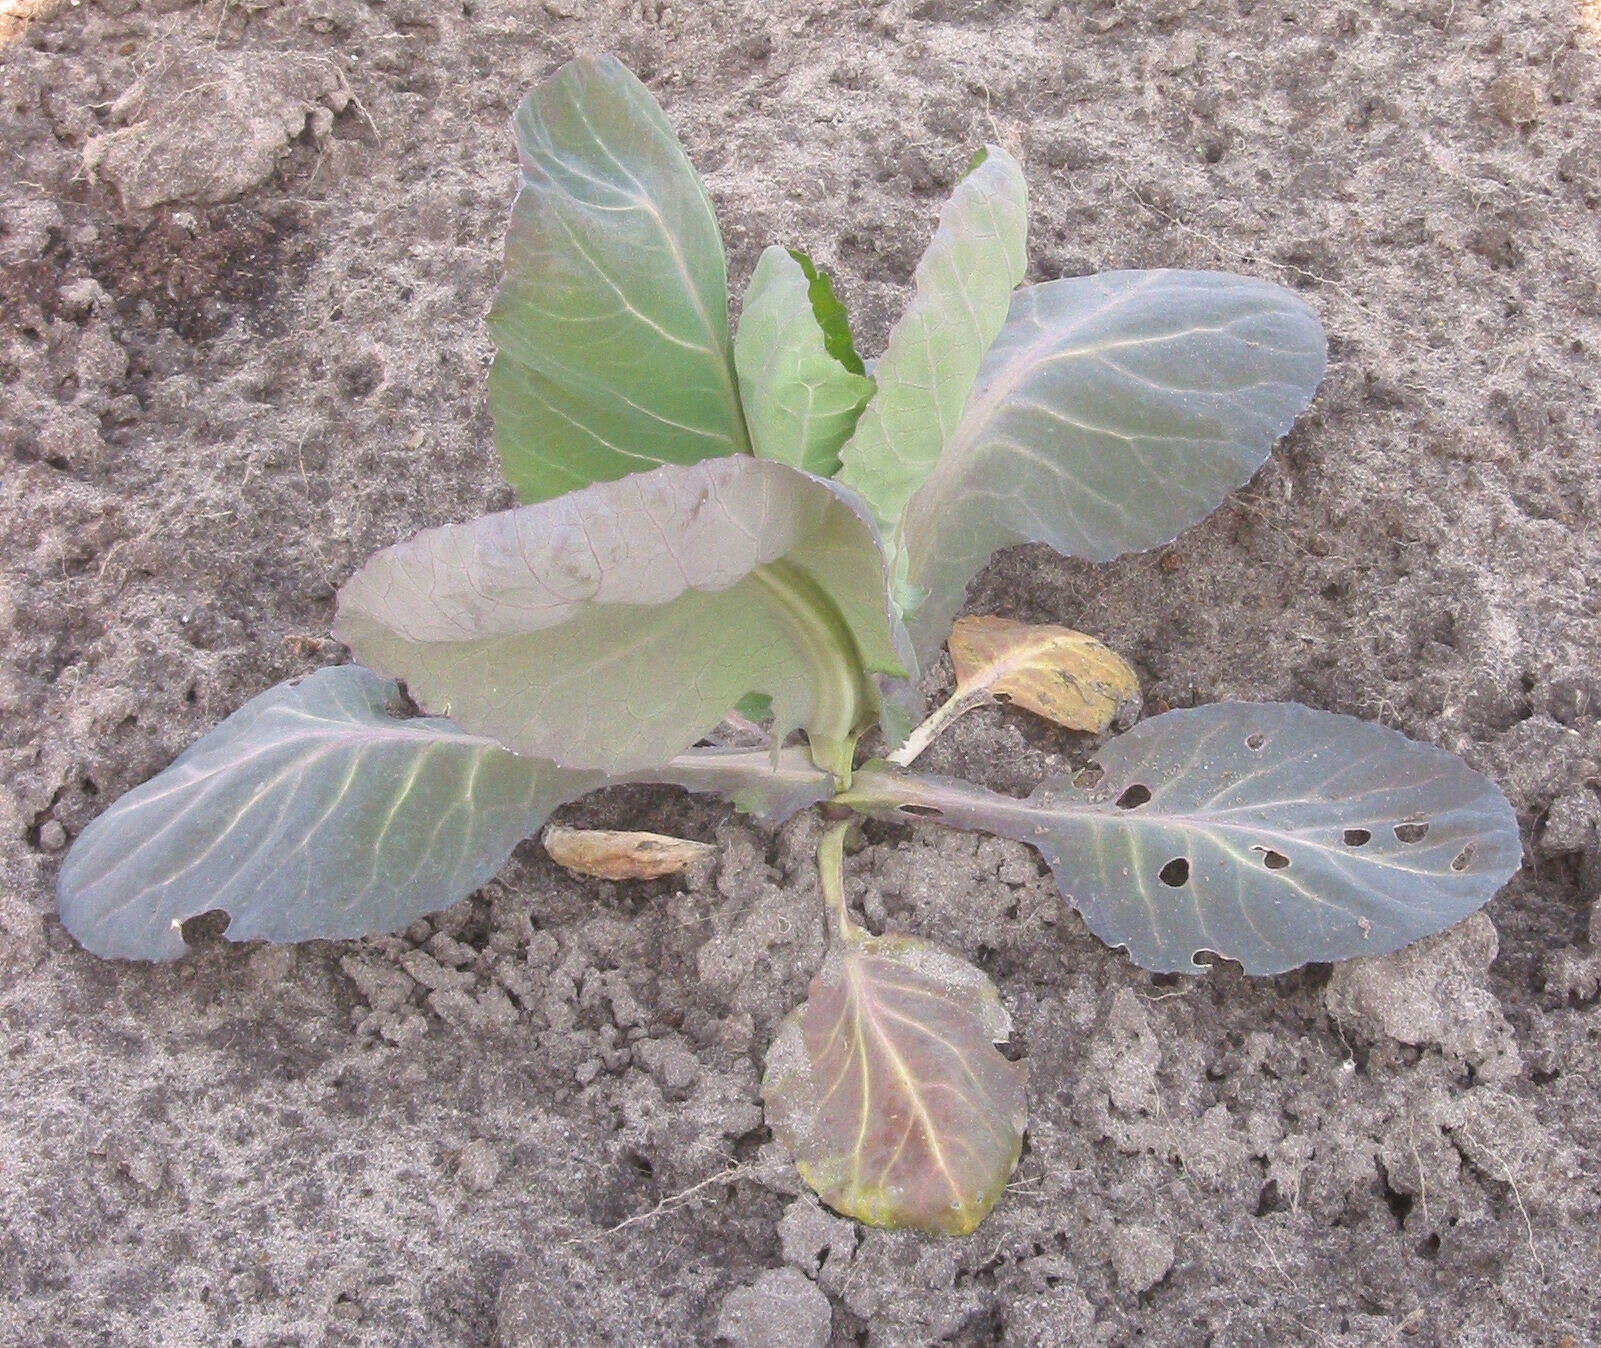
611,854
1054,672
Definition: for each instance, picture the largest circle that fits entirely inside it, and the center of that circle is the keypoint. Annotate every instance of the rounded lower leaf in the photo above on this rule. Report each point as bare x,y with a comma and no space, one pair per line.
888,1089
317,809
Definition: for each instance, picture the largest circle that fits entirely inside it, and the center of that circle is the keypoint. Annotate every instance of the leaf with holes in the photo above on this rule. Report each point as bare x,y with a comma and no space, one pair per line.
803,386
1111,413
320,810
611,324
1267,833
887,1087
615,626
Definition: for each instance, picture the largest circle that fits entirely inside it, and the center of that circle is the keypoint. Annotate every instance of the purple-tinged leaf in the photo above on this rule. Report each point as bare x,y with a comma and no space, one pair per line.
888,1089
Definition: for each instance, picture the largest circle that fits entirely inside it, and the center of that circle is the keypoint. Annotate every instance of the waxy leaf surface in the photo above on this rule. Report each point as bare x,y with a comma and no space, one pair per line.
1111,413
1268,833
800,401
888,1089
318,811
313,811
963,285
613,627
611,324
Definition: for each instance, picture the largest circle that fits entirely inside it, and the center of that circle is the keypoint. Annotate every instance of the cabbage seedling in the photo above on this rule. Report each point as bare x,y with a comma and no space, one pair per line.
764,520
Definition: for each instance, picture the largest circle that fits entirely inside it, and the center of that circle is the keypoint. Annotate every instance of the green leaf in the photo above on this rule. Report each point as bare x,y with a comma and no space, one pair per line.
611,324
888,1089
318,810
615,626
830,314
1113,412
963,285
801,400
1267,833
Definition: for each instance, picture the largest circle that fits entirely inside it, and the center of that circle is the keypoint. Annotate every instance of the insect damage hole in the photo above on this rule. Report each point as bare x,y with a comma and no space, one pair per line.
1176,873
921,811
1255,740
202,929
1089,776
1462,859
1412,832
1134,797
1357,837
1272,858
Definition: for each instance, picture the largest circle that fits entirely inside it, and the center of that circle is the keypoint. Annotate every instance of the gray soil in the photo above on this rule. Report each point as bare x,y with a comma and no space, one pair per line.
245,253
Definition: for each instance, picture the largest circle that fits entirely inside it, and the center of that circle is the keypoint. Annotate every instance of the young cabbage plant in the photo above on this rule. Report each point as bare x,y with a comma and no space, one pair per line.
762,520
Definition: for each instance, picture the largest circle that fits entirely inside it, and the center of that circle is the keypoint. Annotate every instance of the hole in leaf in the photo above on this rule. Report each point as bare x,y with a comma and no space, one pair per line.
1412,833
1134,797
205,928
921,811
1255,740
1002,698
1274,860
1176,873
1088,776
1357,837
1460,861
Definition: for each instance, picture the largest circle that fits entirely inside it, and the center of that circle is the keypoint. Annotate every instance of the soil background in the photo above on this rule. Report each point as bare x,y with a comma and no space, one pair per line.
245,253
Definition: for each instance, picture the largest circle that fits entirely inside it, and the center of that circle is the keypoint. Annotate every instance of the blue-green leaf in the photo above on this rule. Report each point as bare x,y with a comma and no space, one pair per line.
1112,412
320,810
1268,833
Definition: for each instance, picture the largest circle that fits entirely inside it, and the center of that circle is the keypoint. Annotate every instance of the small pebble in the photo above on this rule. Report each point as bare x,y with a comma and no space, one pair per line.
1517,99
478,1167
1141,1257
52,837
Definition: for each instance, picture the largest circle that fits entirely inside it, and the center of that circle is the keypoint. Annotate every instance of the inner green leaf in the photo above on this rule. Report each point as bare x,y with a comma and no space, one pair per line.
611,323
830,314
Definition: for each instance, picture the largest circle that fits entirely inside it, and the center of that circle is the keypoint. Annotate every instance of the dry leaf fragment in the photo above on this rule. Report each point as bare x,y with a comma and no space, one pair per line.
612,854
1054,672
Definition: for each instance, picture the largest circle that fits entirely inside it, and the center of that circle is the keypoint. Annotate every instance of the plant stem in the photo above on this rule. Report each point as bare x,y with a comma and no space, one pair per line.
959,703
844,698
831,870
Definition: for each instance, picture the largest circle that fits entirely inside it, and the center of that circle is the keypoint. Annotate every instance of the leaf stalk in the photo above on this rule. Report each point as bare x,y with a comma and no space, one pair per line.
831,871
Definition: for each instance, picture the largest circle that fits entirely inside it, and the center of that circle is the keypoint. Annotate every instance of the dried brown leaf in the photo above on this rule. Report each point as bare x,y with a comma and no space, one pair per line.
612,854
1054,672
